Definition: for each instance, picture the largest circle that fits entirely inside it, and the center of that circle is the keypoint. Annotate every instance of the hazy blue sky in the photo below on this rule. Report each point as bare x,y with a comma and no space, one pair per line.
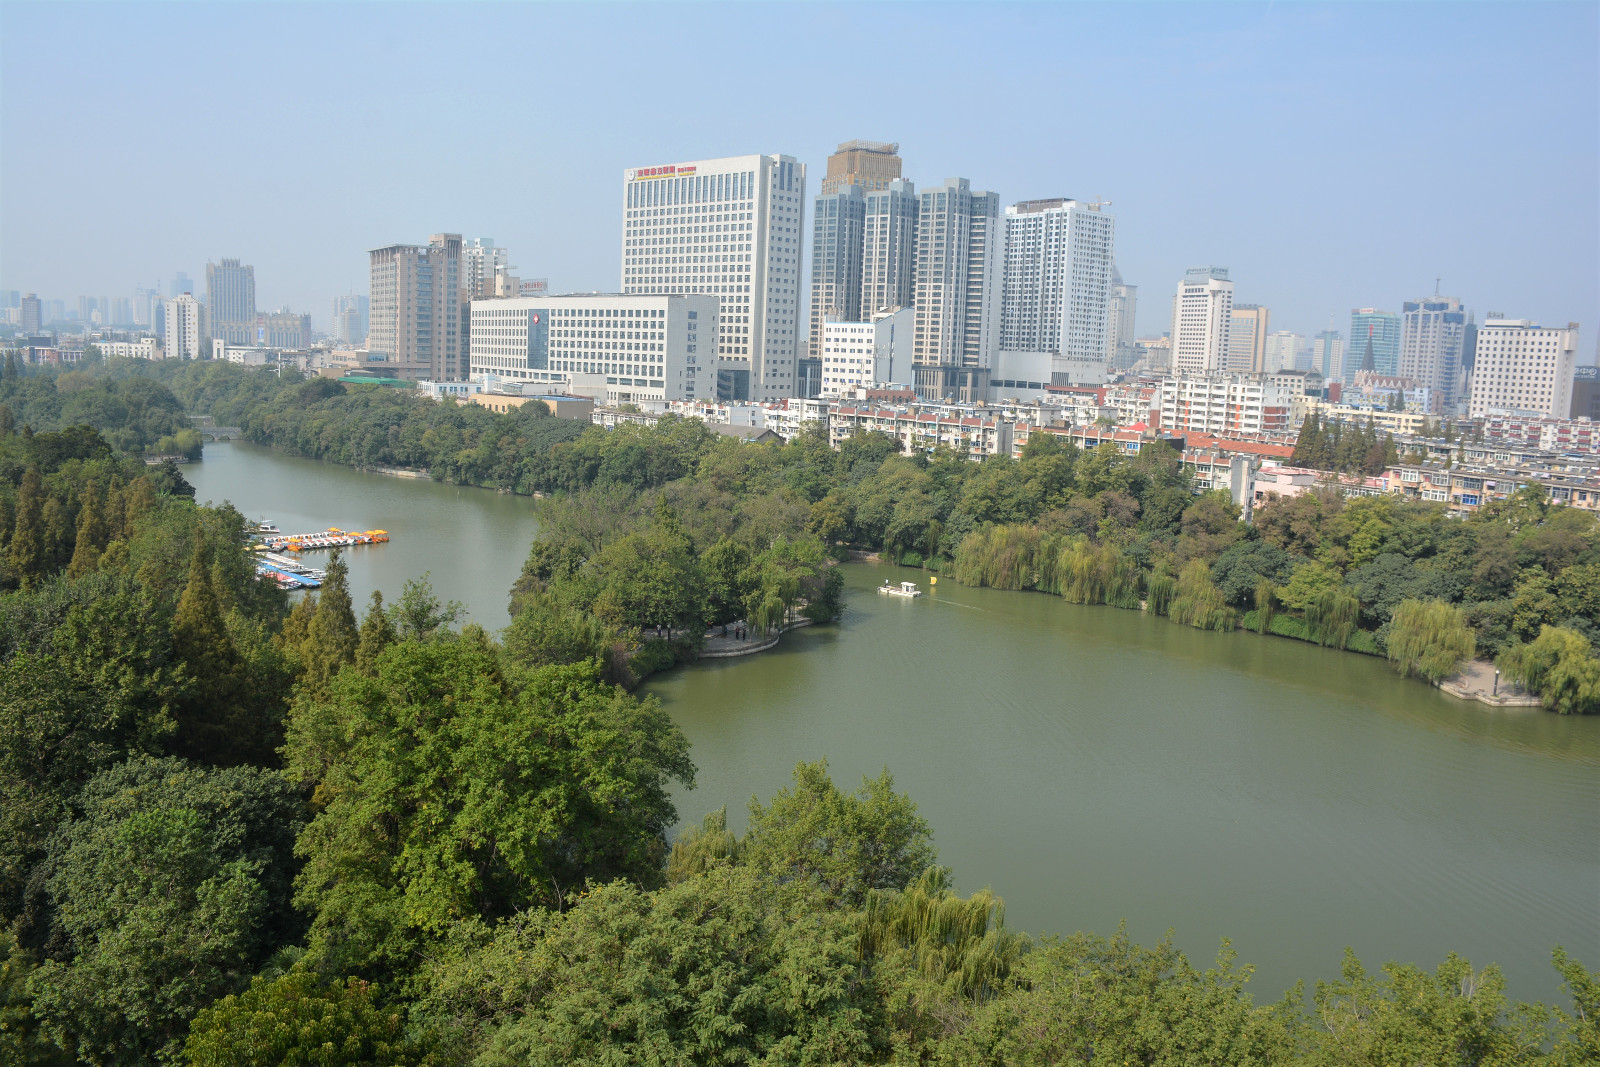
1329,156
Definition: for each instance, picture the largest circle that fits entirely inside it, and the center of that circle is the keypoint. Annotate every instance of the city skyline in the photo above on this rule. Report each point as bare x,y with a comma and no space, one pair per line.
1304,228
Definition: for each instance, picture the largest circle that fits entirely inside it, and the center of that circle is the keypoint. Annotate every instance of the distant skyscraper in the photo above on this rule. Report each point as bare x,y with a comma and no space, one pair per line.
1327,355
959,248
231,301
350,319
732,227
836,225
481,262
181,284
416,306
1123,312
1521,367
868,165
32,314
1202,318
1057,281
1378,331
889,249
1247,339
186,330
1283,351
1433,334
121,311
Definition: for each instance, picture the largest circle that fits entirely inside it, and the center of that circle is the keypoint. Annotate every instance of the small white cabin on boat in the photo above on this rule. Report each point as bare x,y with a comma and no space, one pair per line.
903,589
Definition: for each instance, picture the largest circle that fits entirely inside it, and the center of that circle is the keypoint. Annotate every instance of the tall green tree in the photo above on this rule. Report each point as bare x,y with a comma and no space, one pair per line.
170,889
332,636
448,794
845,844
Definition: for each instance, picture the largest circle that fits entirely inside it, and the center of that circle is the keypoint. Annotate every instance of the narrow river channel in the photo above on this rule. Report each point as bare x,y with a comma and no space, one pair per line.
1091,764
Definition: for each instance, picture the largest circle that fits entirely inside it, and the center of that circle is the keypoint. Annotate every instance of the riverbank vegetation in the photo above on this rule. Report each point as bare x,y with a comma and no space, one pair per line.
236,831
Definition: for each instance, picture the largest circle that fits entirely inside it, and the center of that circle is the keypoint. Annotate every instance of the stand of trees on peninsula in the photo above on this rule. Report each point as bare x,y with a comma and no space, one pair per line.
240,830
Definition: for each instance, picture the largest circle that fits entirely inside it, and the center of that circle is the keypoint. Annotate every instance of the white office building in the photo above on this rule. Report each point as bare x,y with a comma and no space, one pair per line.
960,248
1433,333
1057,284
615,348
1523,368
1202,319
185,327
730,228
1247,339
856,354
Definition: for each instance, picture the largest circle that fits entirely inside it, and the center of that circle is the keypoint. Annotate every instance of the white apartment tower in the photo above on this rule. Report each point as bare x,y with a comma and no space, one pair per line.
185,326
889,249
1521,367
1056,289
1433,333
731,228
481,262
1202,318
959,250
416,307
1283,351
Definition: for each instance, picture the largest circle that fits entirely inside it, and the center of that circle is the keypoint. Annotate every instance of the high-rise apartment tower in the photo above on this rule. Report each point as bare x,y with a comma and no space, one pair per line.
837,219
416,305
1433,334
889,249
1057,281
1524,368
1247,339
960,245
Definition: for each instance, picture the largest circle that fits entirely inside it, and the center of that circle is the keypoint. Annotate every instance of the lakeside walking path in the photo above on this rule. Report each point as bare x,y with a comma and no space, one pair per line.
1476,681
718,647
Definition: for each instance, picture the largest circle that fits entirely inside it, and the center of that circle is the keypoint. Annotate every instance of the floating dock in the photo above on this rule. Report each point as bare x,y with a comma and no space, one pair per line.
287,579
332,537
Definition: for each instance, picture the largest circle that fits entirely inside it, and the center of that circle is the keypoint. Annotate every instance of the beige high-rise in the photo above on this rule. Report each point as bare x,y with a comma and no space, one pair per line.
416,305
869,165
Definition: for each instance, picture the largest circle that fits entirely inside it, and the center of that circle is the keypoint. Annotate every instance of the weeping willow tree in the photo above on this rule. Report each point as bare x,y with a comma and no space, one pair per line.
1266,594
960,947
1331,616
1427,638
1086,573
1000,557
1198,602
1161,588
1560,666
768,613
700,848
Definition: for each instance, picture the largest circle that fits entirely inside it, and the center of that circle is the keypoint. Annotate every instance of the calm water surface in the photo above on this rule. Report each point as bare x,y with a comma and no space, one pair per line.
1092,764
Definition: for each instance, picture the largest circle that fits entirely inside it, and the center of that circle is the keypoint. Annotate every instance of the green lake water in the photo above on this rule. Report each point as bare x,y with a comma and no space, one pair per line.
1094,765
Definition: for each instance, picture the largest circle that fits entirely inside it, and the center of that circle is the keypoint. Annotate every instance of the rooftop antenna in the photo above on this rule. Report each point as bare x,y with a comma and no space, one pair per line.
1436,282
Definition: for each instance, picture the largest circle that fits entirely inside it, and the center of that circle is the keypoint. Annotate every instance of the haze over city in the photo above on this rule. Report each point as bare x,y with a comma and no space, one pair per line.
1329,157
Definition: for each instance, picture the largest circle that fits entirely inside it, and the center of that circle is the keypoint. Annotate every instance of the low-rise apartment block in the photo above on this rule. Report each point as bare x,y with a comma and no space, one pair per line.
924,431
1226,403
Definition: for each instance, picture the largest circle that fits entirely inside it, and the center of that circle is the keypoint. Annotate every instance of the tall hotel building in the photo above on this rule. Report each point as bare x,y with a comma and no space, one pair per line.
1374,343
1523,368
1202,321
231,301
415,316
730,228
615,348
959,248
1057,286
